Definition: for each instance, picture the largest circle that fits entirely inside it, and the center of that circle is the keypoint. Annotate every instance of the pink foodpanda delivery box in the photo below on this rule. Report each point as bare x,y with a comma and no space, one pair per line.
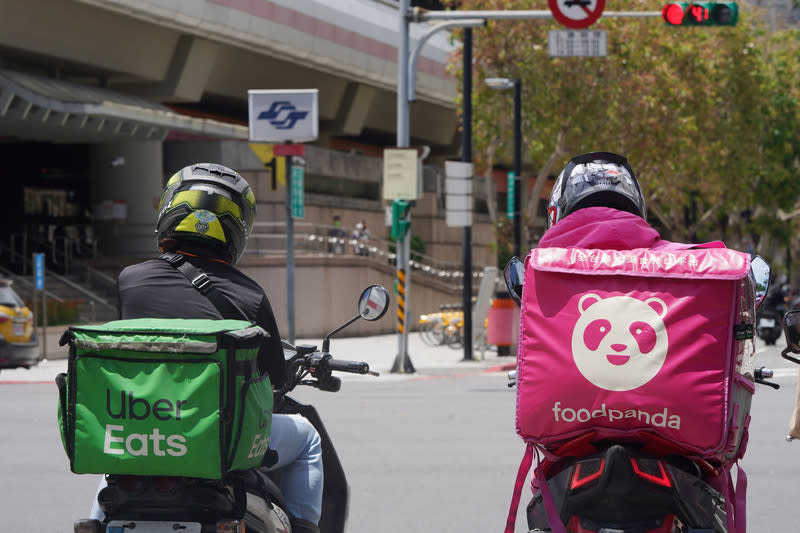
635,345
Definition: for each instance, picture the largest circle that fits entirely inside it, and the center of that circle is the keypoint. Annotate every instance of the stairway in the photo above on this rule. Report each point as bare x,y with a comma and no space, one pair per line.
92,293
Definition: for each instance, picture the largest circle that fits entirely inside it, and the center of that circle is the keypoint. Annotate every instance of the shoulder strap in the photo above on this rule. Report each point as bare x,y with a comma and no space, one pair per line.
522,474
736,499
556,526
201,282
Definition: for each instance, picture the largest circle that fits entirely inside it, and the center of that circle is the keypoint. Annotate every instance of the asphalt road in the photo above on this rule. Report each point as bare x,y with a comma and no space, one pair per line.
434,452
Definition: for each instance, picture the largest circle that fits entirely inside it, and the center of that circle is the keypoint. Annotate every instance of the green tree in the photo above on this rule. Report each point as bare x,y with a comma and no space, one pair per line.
698,111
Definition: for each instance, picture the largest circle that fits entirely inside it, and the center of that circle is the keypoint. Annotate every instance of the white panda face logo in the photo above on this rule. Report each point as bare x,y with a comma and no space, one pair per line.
619,343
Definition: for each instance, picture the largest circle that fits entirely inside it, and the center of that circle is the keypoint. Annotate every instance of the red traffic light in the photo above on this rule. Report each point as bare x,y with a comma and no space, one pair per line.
700,13
673,14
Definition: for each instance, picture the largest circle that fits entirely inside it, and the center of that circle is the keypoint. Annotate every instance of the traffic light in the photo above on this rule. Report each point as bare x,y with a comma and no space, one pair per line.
400,222
700,13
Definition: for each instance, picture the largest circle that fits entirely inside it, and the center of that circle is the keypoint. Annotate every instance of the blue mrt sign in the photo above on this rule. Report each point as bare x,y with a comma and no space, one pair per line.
38,271
283,116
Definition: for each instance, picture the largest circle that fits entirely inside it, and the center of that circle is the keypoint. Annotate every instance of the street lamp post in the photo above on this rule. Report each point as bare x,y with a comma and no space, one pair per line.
516,84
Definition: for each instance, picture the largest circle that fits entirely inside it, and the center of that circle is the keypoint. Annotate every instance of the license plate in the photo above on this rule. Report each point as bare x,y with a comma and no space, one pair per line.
766,323
19,329
147,526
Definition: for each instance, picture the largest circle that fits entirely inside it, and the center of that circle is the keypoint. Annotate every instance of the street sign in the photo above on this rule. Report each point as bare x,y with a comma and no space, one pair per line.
577,14
277,165
510,196
298,195
458,200
577,43
283,116
38,271
400,174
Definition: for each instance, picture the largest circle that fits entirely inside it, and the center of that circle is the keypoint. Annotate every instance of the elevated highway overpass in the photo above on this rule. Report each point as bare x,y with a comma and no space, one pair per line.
101,100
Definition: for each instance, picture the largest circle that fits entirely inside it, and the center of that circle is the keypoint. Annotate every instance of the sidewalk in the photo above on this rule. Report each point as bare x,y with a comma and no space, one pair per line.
379,351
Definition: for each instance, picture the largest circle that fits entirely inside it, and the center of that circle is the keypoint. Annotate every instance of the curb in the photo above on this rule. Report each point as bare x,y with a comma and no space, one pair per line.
501,368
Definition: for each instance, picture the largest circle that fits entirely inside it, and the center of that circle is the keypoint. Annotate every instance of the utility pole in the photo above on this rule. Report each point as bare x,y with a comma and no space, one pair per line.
466,156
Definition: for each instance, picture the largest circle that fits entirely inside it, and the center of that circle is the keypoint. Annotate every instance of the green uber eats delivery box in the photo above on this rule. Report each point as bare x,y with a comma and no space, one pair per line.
165,397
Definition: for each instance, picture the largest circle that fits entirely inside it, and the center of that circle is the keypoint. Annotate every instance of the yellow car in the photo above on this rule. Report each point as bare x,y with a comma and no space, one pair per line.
18,344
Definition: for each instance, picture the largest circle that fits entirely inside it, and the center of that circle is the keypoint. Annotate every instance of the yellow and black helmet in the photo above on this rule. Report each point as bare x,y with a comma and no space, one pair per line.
209,203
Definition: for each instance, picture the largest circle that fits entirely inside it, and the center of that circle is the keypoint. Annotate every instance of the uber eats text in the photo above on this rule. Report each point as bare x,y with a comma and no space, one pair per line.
132,408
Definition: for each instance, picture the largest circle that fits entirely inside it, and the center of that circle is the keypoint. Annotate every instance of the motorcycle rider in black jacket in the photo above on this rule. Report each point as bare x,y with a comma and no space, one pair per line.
205,215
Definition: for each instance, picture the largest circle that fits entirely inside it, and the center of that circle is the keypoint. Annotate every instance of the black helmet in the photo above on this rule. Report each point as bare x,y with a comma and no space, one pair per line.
595,179
210,204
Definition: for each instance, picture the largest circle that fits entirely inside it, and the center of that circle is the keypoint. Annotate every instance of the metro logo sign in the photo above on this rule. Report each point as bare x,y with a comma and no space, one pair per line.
700,13
283,116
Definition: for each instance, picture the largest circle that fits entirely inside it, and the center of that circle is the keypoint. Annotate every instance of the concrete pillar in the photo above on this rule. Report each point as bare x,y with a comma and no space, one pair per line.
132,173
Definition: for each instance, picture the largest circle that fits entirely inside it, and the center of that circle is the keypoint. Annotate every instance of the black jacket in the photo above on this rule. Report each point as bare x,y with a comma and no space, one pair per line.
156,289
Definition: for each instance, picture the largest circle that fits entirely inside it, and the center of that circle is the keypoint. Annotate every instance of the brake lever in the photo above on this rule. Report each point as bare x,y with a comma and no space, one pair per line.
763,372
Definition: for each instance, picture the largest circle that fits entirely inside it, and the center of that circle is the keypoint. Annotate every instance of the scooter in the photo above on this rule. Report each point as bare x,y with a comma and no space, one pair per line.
628,487
791,328
771,314
243,500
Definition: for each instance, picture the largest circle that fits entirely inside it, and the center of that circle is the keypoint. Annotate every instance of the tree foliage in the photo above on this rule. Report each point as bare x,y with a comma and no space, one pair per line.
708,116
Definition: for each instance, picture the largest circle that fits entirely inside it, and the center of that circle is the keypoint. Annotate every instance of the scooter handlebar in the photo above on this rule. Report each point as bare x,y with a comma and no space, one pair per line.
354,367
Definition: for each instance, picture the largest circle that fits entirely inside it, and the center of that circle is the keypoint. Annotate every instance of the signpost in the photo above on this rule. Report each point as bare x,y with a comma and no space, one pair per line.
401,184
38,285
285,117
298,196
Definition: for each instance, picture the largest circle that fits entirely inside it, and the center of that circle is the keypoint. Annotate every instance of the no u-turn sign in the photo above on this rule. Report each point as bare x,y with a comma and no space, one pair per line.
577,14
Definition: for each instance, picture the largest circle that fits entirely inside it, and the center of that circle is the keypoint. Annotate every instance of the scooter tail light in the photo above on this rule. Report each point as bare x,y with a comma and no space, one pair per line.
646,471
86,525
585,473
230,526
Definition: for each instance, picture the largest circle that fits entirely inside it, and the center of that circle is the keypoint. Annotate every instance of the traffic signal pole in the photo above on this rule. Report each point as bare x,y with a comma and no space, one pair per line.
401,223
402,363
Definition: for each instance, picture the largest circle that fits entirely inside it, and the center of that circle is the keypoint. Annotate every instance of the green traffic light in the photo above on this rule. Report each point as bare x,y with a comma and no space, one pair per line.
400,222
700,13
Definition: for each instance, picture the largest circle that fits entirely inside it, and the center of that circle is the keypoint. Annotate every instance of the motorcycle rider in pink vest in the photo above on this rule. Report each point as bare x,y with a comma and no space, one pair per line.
597,203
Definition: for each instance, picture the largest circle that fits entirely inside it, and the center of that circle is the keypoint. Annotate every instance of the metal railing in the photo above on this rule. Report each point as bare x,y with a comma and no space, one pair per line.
92,298
18,257
321,239
61,251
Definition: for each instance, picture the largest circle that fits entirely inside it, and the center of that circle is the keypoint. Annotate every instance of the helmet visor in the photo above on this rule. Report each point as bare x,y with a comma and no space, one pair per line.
213,199
601,183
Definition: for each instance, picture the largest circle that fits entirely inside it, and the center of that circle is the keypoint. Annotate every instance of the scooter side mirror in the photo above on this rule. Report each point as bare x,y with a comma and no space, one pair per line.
514,273
791,329
373,303
761,274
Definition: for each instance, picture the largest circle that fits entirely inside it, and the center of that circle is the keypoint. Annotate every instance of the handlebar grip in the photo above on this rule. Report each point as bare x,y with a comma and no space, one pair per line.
762,373
354,367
